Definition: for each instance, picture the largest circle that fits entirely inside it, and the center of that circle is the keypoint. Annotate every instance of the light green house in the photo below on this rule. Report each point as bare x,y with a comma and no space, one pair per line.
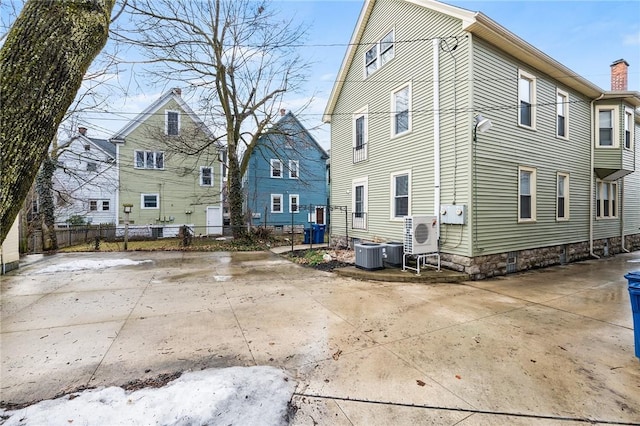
439,111
165,175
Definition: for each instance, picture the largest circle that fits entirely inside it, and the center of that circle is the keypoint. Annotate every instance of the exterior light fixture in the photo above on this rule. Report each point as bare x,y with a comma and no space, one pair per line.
127,208
482,124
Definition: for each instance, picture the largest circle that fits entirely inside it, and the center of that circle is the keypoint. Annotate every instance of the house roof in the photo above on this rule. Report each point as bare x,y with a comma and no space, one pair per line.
484,27
288,118
104,144
174,94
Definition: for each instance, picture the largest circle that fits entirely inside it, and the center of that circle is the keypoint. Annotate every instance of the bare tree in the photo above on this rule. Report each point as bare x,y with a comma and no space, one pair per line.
240,56
42,63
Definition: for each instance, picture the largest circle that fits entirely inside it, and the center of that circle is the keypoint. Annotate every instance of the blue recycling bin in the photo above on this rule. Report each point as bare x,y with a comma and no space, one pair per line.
318,233
307,236
633,278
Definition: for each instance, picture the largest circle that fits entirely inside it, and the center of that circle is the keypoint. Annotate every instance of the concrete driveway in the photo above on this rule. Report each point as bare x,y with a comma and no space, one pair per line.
553,346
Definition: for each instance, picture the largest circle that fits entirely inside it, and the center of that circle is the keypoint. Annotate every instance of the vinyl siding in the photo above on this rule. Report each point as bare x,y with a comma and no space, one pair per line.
413,62
631,186
507,146
178,184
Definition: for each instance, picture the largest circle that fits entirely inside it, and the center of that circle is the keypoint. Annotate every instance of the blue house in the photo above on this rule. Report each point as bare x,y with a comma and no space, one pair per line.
286,178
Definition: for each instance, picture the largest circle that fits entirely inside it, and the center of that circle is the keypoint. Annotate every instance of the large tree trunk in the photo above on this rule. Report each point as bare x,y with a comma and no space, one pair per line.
44,186
235,194
42,63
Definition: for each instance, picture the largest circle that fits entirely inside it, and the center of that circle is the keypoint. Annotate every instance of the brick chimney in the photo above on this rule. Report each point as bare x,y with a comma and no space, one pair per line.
283,112
619,75
82,131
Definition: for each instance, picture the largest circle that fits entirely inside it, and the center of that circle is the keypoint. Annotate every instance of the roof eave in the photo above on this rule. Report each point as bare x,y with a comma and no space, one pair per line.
489,30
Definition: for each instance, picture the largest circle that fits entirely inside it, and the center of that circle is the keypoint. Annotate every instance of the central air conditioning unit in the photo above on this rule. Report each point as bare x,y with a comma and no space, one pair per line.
420,234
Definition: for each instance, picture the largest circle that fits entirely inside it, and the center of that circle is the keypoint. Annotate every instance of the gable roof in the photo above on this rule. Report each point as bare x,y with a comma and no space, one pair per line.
174,94
288,121
104,144
481,25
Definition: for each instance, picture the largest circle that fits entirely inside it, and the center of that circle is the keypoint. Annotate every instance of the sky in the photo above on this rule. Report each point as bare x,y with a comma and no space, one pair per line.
586,36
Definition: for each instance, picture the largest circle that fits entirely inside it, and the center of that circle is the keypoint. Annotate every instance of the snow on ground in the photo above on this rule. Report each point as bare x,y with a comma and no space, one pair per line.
229,396
83,264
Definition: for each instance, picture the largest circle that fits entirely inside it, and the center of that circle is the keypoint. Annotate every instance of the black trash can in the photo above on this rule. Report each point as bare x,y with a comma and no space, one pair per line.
633,279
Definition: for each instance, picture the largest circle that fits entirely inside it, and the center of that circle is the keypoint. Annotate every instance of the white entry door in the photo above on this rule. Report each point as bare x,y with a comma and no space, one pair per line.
214,221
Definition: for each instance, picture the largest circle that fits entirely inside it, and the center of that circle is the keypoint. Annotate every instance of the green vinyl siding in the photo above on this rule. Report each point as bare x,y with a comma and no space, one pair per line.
413,63
178,184
631,186
499,153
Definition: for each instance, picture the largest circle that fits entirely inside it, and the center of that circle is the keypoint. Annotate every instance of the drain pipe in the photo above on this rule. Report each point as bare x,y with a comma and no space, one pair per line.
592,175
436,133
621,207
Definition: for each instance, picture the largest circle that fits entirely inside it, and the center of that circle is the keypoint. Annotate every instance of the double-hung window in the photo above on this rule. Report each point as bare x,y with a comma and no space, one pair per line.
276,168
401,194
294,167
206,176
294,203
172,123
607,123
105,205
276,203
380,53
527,99
628,128
562,110
527,194
93,205
400,107
359,203
360,135
562,200
606,197
149,201
149,160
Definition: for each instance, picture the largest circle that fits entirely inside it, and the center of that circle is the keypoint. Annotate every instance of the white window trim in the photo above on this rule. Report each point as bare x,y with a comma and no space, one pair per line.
135,160
201,175
378,45
393,111
142,207
364,182
166,122
392,195
533,172
273,196
291,168
364,113
565,109
527,76
615,137
613,190
297,204
629,114
567,203
274,160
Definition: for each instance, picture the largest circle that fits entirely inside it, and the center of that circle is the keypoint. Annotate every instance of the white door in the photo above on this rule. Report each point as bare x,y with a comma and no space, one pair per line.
214,221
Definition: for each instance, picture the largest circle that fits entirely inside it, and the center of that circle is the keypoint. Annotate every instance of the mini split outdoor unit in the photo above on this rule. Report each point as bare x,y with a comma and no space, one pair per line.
420,234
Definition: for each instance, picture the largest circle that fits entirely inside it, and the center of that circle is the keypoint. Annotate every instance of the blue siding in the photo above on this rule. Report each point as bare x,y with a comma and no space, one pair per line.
287,141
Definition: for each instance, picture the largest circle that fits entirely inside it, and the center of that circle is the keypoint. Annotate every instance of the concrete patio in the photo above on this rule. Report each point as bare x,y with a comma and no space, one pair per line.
552,346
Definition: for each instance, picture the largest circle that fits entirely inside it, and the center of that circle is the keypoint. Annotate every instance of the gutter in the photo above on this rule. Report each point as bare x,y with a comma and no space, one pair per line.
591,174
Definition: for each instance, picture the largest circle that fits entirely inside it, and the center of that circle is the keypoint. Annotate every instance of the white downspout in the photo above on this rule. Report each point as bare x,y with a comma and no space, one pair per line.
436,132
117,206
621,207
591,178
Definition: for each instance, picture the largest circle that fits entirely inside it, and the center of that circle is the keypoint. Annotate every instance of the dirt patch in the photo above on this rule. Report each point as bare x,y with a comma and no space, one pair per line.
322,259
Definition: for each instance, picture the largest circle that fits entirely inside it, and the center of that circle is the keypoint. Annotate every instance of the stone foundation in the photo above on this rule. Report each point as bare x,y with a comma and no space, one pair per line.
492,265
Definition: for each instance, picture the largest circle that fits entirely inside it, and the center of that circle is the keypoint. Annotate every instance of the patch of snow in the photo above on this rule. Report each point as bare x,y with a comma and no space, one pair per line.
634,261
85,264
236,395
